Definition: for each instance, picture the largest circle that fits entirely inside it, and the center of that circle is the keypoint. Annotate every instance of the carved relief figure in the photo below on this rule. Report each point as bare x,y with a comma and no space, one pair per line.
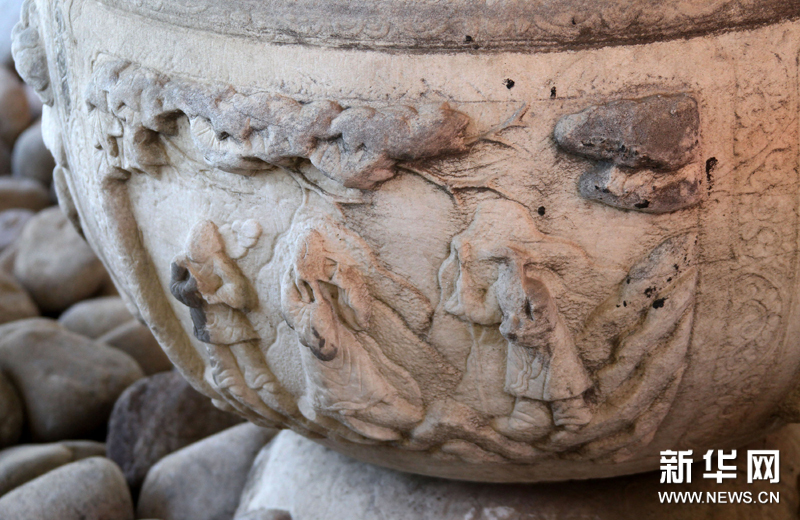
491,280
542,365
218,294
326,299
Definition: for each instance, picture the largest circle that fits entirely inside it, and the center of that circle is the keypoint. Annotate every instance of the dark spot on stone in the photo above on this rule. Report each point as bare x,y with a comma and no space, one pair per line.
657,132
528,309
553,93
540,211
628,280
711,164
198,316
509,83
643,204
649,291
659,303
468,39
476,46
669,279
675,266
624,304
573,21
511,336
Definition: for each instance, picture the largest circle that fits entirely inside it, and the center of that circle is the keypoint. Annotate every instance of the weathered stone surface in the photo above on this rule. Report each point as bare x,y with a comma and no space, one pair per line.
155,417
312,482
22,194
31,159
91,489
203,481
659,132
11,413
67,383
56,266
14,112
21,464
15,302
12,222
94,317
137,341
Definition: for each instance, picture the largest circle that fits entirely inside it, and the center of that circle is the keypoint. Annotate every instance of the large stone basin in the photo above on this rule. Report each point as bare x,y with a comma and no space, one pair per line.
501,241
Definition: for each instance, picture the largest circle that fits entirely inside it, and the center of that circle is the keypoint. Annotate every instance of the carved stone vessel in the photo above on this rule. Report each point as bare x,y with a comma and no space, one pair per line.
501,241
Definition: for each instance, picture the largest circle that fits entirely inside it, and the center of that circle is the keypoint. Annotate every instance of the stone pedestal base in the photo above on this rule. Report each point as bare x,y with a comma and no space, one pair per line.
312,482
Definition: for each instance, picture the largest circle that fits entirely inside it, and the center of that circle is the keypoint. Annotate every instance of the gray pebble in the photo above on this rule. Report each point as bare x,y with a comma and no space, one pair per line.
85,449
90,489
55,265
11,413
67,383
31,159
21,464
24,463
15,115
94,317
12,222
157,416
15,302
23,194
137,341
204,480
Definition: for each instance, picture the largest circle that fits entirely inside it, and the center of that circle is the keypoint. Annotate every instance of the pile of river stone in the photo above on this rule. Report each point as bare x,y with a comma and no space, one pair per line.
94,422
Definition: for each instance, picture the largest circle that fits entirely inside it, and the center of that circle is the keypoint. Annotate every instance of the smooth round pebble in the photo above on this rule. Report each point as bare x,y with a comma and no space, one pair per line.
15,302
21,464
11,413
85,449
157,416
55,265
24,463
15,115
23,194
90,489
94,317
12,222
138,342
204,480
67,383
31,159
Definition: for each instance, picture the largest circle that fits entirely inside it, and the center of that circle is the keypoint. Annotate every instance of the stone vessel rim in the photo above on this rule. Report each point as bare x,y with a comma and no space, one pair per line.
464,25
